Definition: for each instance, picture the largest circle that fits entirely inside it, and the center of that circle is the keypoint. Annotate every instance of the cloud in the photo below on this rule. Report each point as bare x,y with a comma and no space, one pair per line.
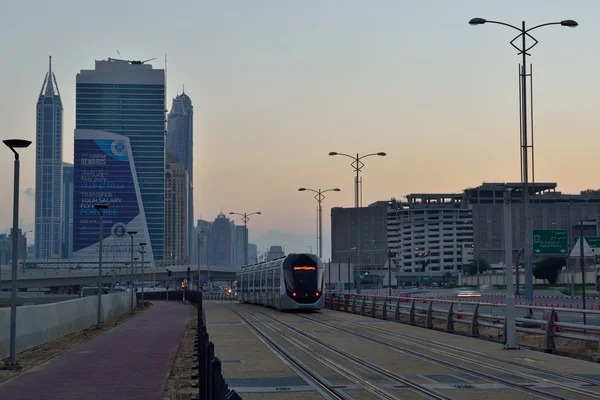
29,193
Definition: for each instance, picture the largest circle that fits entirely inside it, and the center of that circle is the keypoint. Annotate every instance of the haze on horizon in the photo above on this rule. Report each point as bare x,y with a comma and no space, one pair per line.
277,85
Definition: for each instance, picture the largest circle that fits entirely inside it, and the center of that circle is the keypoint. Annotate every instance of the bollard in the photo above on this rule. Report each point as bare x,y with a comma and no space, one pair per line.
210,354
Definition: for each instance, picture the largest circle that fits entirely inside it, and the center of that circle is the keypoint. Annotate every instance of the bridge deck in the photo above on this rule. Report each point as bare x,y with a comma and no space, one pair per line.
131,361
449,365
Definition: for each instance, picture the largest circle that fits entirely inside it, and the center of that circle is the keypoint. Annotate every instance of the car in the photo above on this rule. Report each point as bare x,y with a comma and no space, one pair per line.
468,293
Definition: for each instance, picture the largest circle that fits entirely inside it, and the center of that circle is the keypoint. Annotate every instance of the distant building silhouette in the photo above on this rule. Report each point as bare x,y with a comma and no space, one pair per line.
176,197
222,242
180,139
49,170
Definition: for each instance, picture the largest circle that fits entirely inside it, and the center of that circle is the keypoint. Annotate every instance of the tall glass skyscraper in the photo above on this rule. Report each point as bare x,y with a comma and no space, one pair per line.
126,98
180,139
48,170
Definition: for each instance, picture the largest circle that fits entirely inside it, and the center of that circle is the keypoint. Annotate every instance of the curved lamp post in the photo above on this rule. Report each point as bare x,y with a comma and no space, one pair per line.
100,208
13,144
357,164
524,33
245,218
319,197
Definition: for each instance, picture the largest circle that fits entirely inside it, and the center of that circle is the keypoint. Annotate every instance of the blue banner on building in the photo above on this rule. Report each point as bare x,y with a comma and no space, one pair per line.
104,174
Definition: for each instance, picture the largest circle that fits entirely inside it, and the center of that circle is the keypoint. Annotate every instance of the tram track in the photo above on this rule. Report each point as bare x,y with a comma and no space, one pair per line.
322,386
346,372
479,365
445,346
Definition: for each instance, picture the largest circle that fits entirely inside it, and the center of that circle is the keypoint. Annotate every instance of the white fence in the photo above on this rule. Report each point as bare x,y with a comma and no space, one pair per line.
40,324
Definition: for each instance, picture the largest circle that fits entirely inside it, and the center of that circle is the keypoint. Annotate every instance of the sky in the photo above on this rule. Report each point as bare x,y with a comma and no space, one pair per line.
278,84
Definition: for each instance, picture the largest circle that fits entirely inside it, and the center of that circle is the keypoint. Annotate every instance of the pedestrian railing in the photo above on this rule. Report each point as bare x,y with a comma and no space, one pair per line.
425,311
211,384
190,295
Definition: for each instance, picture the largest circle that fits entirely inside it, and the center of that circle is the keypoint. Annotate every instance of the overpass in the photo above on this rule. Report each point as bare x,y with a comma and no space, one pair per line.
57,278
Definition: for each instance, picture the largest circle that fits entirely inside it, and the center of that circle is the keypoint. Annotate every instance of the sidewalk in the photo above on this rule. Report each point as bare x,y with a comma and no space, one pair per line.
131,361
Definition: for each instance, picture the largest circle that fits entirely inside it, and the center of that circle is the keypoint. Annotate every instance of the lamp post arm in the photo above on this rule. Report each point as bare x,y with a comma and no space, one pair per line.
539,26
346,155
365,156
509,25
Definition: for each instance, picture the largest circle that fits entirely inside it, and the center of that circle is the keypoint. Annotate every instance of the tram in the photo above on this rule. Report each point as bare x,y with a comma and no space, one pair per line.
293,282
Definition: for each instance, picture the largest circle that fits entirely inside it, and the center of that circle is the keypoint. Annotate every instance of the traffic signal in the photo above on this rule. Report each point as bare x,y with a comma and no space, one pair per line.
169,272
189,273
182,285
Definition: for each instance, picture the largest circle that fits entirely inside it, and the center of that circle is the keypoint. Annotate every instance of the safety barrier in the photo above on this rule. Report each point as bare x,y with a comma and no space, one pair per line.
211,384
190,295
535,320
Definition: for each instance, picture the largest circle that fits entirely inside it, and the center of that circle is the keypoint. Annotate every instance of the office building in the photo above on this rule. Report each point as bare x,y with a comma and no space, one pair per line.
67,201
429,227
120,156
549,209
371,222
222,241
239,246
180,139
252,253
202,232
48,170
176,221
275,252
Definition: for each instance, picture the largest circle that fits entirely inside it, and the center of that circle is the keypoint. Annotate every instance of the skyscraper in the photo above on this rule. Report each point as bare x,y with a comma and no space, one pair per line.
176,241
67,199
120,154
239,247
222,242
180,139
48,169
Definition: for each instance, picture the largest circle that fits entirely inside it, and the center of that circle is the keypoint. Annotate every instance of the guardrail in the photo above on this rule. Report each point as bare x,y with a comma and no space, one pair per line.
180,295
211,384
428,310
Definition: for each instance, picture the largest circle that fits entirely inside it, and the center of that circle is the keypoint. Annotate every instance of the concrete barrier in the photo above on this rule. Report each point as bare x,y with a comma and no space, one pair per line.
40,324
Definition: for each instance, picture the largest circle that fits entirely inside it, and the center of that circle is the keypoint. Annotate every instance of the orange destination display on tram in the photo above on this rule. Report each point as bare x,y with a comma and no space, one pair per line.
303,268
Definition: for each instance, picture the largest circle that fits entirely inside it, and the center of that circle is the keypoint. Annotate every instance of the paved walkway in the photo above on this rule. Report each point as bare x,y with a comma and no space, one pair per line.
131,361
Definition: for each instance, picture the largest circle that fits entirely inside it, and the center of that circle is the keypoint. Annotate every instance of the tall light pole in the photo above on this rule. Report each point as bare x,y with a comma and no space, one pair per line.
142,252
131,233
319,197
13,144
246,218
100,208
523,34
200,244
357,165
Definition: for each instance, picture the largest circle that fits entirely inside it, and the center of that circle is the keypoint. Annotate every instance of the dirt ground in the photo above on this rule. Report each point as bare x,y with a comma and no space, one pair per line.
578,349
179,385
38,355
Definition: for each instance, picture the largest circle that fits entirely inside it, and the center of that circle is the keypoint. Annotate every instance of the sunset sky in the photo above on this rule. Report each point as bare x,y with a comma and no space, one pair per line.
278,84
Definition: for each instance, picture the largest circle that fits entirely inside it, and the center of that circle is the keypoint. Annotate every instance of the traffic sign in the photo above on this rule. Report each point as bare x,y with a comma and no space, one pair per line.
593,241
425,279
550,241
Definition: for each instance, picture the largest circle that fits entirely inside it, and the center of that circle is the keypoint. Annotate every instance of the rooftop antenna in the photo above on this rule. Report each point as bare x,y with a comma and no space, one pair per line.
119,54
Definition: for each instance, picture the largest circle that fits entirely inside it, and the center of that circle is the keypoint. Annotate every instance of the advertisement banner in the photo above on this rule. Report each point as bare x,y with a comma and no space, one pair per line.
105,174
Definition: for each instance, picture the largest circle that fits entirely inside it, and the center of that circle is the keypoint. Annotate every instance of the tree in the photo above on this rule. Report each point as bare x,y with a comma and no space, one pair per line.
548,269
471,269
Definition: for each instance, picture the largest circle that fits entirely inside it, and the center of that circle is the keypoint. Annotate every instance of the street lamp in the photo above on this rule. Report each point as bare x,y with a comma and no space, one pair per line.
13,144
319,197
245,218
142,252
523,50
100,208
131,233
357,164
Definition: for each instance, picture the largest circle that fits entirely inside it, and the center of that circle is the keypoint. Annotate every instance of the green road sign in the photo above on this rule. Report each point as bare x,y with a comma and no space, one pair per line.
425,279
593,241
550,241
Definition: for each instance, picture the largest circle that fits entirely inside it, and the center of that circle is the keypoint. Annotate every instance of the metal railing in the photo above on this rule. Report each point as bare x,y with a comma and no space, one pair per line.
211,384
536,320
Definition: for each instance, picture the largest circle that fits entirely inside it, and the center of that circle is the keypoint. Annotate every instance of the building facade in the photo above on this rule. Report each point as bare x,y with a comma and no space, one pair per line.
180,139
367,250
429,227
239,246
549,209
275,252
126,99
203,233
252,253
48,170
222,242
176,218
67,201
